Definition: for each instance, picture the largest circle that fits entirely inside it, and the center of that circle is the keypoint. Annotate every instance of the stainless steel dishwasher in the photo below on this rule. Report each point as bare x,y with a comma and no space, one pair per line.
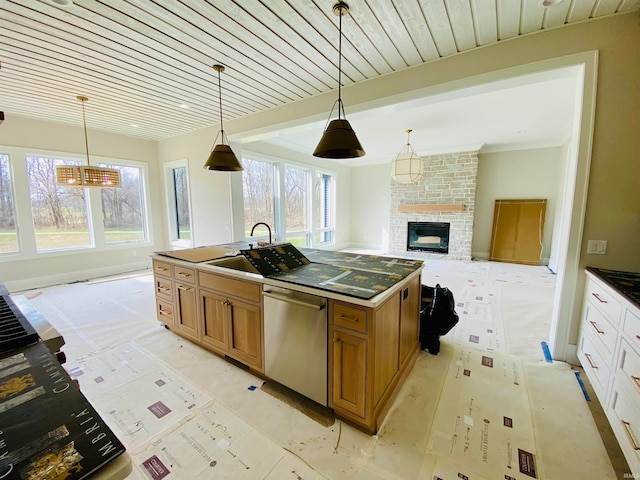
295,341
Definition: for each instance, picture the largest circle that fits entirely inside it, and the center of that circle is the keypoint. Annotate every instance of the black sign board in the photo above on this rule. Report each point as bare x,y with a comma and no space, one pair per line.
48,430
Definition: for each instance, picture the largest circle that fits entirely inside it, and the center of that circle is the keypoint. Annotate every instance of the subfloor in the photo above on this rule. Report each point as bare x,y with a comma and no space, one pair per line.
488,406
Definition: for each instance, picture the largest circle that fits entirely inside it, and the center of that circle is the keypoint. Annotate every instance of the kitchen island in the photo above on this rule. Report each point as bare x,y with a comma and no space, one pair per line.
216,298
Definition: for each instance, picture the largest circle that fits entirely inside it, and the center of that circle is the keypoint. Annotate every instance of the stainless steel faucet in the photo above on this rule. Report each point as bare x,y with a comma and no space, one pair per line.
261,223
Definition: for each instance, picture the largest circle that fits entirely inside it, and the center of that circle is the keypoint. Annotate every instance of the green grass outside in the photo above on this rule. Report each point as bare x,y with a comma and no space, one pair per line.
57,239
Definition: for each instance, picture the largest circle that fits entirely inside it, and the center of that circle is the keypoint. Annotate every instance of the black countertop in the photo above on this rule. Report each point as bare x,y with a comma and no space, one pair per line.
354,275
625,283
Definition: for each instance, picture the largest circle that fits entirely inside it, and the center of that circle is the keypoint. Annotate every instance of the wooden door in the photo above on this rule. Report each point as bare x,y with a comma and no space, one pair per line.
348,373
245,333
214,320
517,231
186,310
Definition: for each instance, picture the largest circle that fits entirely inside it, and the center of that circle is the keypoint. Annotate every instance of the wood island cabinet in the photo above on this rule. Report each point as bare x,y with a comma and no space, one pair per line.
371,349
231,313
370,354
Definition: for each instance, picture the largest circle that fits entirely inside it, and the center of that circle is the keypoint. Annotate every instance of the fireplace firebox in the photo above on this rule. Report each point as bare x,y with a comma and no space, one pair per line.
428,237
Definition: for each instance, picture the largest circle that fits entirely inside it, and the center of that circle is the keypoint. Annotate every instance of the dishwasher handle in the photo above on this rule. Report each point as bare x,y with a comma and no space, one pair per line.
284,298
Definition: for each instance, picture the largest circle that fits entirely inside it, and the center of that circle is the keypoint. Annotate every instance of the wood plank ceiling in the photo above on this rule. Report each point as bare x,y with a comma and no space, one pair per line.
148,62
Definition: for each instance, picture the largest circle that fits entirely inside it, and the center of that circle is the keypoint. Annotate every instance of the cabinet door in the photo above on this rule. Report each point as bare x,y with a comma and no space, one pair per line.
214,320
409,318
186,310
348,373
245,334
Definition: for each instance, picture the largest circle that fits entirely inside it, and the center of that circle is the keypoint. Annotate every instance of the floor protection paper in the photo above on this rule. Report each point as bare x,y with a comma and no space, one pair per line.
215,443
483,420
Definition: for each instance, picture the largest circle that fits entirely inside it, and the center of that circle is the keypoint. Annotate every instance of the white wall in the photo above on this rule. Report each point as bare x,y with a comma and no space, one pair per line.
370,206
517,174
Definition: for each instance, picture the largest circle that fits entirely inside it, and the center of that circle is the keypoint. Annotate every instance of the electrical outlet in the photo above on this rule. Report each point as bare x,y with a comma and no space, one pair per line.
598,247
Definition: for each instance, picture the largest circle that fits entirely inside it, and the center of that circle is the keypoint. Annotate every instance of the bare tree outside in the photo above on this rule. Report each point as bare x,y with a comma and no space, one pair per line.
258,189
8,231
181,196
59,213
123,207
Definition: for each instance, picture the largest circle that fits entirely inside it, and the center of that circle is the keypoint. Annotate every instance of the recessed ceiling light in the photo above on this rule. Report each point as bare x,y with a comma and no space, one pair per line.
60,3
184,105
549,3
134,125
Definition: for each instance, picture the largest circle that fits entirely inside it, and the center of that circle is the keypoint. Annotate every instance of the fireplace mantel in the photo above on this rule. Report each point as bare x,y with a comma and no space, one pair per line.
431,207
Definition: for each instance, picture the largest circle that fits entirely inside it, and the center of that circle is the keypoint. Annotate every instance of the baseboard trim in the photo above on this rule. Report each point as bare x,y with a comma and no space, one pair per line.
76,276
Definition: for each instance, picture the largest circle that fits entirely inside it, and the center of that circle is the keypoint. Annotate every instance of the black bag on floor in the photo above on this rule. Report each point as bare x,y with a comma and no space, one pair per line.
437,316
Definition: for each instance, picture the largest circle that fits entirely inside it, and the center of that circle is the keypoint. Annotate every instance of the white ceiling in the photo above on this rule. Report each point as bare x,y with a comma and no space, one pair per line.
533,111
148,63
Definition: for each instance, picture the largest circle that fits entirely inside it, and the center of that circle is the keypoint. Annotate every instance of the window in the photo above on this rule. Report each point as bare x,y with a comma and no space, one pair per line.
296,205
123,208
178,203
324,209
8,231
181,195
258,189
59,213
293,199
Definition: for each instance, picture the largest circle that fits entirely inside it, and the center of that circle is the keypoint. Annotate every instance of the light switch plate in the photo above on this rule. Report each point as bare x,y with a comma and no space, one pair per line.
598,247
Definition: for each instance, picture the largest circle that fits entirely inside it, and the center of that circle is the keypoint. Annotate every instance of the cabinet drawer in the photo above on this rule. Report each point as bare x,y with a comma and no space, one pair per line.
164,288
632,328
603,333
603,298
184,274
161,268
230,286
595,366
629,371
165,312
625,422
348,316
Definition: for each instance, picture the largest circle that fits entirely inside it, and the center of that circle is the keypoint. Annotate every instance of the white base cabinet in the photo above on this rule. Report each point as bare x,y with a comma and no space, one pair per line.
609,350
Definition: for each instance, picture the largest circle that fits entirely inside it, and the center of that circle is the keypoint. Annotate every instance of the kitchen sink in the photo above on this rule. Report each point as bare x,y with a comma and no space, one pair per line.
235,263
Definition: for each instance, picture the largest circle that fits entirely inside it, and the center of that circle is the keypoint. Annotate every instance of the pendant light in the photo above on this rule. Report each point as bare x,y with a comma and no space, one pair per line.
407,166
84,176
222,157
339,140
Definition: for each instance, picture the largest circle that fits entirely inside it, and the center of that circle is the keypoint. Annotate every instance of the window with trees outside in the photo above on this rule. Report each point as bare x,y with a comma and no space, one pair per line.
8,230
298,202
62,216
123,207
59,213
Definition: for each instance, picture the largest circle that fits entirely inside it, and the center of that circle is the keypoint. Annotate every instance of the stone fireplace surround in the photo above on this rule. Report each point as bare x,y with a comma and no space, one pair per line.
448,179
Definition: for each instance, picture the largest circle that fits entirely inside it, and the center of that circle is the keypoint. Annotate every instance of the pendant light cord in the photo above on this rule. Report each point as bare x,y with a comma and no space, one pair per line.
340,107
220,103
84,122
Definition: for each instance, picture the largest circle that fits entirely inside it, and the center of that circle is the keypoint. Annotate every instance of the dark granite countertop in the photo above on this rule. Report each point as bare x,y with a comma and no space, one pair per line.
625,283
